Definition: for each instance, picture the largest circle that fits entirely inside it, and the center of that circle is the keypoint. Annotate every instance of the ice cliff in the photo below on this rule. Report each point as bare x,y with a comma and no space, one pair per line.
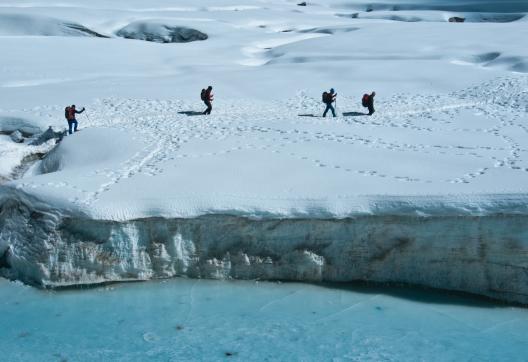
484,255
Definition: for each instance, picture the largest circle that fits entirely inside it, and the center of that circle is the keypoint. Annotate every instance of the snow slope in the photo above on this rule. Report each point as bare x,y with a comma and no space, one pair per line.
36,25
447,143
456,153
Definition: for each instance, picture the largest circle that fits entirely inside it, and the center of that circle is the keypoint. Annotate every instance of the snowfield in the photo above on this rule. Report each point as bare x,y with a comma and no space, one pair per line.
430,190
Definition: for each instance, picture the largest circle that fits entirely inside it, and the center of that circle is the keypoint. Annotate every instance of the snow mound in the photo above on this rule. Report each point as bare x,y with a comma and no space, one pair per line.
159,32
78,152
517,64
24,25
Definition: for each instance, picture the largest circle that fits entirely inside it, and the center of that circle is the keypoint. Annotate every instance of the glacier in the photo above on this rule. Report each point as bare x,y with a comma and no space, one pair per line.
264,231
484,255
429,191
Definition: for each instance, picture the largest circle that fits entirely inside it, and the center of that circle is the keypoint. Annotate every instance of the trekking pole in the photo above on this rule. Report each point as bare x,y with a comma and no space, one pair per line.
88,118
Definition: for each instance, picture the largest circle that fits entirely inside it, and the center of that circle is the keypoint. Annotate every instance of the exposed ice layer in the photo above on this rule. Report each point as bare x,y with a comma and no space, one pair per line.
16,156
481,255
19,122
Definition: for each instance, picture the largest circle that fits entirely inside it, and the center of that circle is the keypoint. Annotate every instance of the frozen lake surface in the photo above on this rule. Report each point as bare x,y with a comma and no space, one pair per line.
181,319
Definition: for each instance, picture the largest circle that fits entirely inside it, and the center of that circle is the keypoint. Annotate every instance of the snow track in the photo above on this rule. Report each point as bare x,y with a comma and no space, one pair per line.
472,126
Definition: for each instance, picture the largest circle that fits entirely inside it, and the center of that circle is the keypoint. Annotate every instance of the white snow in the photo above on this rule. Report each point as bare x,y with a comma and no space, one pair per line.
12,24
454,153
448,138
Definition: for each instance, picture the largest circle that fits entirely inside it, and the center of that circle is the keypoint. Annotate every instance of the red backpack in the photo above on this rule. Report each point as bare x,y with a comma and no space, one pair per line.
365,100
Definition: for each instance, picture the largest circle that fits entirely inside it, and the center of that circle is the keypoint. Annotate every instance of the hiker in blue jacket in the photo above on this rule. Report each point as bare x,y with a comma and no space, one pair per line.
328,99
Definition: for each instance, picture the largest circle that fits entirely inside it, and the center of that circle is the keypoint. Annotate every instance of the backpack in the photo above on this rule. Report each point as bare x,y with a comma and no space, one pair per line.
202,95
327,97
365,100
66,112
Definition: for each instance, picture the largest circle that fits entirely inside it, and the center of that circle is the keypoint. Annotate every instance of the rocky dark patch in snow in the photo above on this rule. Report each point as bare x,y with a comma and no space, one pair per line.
329,30
456,19
17,137
160,33
85,30
48,135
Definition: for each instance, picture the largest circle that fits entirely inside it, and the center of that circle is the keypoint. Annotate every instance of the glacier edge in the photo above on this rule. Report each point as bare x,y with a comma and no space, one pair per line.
484,255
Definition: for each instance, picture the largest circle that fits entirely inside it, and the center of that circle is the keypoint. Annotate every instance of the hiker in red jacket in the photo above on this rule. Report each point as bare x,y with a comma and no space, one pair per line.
207,98
70,113
368,102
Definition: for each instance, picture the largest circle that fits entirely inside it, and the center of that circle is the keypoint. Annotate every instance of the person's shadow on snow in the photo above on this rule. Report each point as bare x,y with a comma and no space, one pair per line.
191,113
354,114
307,115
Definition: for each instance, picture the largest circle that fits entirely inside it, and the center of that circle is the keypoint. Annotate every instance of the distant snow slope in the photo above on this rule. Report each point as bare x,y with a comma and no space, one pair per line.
24,25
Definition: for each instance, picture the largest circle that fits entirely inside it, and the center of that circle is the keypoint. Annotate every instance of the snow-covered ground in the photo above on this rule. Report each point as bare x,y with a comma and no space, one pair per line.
186,320
448,141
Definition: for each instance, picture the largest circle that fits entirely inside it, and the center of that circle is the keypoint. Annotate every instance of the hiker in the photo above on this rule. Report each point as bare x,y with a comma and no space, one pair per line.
69,113
207,98
368,101
328,99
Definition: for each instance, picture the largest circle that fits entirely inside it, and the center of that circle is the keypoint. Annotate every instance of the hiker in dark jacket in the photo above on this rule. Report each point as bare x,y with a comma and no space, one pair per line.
328,99
70,113
207,98
370,103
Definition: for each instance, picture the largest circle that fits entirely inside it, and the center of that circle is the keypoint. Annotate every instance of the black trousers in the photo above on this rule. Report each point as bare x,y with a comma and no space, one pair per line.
329,107
209,107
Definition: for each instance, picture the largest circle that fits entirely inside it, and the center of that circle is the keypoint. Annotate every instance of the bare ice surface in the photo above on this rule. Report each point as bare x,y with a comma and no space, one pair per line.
182,320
